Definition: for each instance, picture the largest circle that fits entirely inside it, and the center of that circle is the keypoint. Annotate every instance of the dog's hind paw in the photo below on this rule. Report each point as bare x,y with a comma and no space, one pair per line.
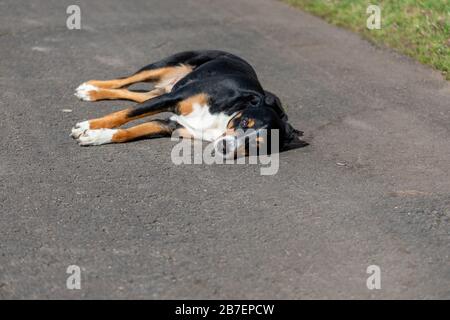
86,91
96,137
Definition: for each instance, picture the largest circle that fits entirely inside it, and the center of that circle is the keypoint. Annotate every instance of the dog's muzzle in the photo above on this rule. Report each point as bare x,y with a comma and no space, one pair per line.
228,145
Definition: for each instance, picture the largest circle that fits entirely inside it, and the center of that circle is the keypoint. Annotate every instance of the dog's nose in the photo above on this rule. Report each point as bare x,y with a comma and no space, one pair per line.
226,146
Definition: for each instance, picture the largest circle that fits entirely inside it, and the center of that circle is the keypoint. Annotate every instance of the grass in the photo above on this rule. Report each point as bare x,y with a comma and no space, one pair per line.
417,28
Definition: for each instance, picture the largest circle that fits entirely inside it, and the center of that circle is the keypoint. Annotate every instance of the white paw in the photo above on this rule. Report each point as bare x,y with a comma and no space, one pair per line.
83,91
96,137
79,128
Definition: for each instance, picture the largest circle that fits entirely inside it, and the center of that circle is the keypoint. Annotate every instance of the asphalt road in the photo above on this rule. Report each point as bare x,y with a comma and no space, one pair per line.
372,188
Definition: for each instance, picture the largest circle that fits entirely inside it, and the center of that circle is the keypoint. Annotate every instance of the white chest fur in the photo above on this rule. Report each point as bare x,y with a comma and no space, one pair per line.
202,124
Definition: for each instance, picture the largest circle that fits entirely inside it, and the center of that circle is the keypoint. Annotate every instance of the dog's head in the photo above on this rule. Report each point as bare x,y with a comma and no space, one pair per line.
253,127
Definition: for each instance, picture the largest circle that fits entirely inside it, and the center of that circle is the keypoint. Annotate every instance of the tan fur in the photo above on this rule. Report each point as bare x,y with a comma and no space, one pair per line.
142,130
112,94
172,76
167,76
116,119
186,106
119,118
230,124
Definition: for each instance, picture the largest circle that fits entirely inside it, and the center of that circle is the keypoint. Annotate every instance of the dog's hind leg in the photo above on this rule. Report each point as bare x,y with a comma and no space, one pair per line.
146,130
166,72
165,78
143,75
118,94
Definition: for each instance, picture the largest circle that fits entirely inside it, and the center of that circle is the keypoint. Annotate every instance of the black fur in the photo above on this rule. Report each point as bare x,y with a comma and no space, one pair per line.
232,85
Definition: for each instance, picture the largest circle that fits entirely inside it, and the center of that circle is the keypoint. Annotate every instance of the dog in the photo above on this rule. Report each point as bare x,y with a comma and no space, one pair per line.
212,95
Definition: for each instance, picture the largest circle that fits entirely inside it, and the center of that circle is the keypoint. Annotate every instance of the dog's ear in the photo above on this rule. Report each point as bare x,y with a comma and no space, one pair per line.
243,101
289,133
274,102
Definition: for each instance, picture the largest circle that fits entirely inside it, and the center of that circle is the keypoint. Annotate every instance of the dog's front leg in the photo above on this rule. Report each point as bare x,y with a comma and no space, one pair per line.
146,130
163,103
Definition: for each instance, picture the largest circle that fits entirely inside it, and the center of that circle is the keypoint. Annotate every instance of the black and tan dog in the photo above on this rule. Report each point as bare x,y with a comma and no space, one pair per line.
211,93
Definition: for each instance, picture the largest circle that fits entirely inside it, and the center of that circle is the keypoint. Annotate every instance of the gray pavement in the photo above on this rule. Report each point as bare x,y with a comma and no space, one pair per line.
373,187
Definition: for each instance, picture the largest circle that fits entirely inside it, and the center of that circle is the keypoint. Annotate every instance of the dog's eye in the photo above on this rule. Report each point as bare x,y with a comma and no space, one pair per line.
244,122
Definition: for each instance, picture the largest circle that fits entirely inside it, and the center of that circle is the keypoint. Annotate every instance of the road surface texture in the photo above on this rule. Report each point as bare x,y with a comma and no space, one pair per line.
372,188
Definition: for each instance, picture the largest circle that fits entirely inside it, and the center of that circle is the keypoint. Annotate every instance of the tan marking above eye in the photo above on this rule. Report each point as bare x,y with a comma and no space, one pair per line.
251,123
186,106
231,122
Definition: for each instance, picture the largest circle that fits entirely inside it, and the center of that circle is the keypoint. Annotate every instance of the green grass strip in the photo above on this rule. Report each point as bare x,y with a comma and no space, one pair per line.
419,29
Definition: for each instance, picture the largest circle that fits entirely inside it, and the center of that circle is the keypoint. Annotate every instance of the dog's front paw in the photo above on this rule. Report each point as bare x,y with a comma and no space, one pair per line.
86,92
96,137
79,129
